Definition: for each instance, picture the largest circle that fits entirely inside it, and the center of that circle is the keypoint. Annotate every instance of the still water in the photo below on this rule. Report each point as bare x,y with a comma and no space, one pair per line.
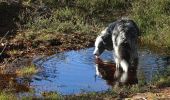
76,72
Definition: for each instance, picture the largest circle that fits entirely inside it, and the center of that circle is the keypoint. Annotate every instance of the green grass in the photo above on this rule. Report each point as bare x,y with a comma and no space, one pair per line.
7,96
52,96
77,16
27,71
163,79
90,17
153,18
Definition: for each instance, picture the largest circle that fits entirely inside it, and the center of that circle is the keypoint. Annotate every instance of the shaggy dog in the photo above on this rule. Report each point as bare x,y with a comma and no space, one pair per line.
120,36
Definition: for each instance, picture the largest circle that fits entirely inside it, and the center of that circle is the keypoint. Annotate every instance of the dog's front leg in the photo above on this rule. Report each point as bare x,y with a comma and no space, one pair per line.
117,71
117,63
124,65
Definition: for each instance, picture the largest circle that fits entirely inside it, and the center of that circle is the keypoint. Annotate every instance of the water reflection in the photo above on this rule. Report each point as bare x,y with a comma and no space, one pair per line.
107,70
73,72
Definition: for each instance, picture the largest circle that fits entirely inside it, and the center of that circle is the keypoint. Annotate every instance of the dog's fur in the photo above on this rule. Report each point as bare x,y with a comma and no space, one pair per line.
120,36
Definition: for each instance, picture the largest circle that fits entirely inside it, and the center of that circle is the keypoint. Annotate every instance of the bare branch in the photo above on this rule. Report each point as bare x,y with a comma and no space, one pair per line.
4,36
5,43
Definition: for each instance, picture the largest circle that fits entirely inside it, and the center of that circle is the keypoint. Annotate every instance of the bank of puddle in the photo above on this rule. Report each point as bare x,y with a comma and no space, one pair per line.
75,72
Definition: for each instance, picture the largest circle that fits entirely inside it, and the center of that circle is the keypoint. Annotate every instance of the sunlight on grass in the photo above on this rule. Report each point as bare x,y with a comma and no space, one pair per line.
163,82
52,96
26,71
7,96
153,21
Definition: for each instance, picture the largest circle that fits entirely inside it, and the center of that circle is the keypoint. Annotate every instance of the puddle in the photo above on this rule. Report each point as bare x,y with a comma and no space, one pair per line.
76,72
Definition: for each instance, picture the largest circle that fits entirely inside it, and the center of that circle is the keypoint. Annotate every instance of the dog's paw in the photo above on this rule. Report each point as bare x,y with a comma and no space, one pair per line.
98,60
117,73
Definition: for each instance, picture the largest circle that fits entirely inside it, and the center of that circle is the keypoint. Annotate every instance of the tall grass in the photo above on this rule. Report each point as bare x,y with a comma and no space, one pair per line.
83,16
91,16
153,18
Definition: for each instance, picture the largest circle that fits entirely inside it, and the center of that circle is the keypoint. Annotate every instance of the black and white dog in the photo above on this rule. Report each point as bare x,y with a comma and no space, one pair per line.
120,36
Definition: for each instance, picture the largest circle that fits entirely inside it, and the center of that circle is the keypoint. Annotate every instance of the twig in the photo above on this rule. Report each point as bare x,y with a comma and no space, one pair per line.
5,43
4,36
3,49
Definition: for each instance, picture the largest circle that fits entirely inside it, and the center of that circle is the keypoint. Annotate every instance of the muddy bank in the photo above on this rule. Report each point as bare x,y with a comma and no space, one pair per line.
27,50
18,53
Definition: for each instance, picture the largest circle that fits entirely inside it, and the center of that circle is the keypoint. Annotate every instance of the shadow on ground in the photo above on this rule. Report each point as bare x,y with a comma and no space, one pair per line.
9,17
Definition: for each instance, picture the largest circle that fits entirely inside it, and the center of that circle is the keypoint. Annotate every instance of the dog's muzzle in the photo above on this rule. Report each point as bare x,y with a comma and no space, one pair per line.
96,53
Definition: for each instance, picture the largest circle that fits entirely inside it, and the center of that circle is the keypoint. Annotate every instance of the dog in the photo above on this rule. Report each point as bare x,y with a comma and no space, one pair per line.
120,36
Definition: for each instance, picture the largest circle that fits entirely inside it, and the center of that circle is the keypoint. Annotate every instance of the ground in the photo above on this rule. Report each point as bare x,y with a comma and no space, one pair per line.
19,53
20,48
16,49
160,94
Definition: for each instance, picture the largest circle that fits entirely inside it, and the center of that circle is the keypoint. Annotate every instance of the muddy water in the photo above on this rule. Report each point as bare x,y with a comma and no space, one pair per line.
76,72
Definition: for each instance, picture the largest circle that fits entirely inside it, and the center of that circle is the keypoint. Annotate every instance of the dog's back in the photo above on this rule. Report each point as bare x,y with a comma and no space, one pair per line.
124,37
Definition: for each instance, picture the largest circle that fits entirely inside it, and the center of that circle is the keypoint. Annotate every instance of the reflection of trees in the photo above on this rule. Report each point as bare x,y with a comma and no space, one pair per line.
39,61
48,65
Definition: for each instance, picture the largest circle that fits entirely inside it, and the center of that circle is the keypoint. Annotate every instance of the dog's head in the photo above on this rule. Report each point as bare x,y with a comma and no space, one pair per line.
99,46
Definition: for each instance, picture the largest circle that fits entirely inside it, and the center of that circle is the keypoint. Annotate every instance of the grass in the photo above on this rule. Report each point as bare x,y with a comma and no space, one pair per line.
79,16
12,86
90,17
7,96
27,71
154,21
52,95
13,52
163,79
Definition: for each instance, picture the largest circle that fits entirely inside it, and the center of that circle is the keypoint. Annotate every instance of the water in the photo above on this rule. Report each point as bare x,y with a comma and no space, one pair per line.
76,72
69,73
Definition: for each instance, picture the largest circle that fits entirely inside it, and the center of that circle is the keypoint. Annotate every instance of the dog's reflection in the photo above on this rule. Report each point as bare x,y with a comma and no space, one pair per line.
113,76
